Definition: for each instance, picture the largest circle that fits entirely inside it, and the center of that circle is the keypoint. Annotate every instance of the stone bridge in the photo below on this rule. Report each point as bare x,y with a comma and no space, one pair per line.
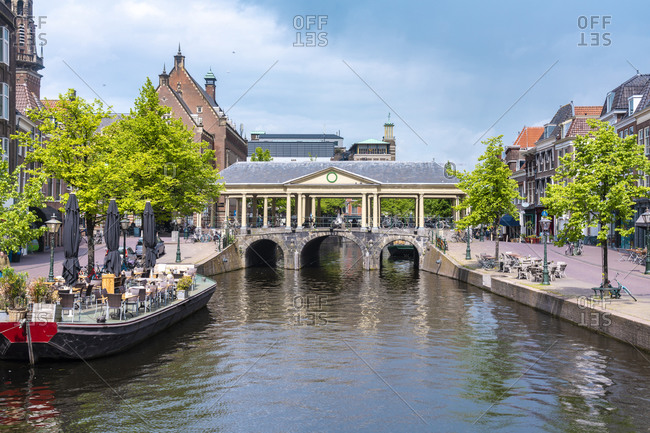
301,247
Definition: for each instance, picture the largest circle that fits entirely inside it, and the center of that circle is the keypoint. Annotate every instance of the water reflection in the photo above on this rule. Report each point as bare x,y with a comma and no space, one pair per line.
338,348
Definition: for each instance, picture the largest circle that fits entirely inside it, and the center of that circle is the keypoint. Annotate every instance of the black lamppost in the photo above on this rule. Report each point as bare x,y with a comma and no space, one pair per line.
545,222
52,226
646,219
124,223
178,239
468,252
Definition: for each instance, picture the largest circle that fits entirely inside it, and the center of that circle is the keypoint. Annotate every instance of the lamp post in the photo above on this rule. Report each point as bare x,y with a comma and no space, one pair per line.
545,222
646,220
124,223
53,225
468,252
178,239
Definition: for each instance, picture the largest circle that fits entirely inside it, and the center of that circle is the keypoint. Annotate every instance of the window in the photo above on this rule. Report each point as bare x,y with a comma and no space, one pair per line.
5,149
4,101
647,140
610,101
4,45
199,109
630,130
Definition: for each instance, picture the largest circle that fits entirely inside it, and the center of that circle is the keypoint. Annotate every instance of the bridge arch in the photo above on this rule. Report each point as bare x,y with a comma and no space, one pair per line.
384,241
262,250
309,246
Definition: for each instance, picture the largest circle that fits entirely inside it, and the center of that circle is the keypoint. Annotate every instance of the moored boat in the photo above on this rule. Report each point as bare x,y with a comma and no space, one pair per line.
87,339
401,250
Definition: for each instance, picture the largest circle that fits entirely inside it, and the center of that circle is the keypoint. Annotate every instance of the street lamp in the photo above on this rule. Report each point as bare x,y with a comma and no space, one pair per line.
125,226
545,222
468,252
52,226
646,219
178,239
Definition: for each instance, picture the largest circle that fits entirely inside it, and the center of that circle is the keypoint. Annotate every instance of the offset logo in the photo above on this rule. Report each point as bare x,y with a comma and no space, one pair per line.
594,32
309,30
449,170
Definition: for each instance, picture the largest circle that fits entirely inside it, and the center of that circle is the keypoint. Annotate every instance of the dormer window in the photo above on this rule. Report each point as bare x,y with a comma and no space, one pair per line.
199,109
548,129
632,103
610,101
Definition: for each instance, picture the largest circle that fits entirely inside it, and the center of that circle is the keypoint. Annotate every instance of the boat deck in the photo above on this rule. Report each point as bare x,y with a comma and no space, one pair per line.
90,314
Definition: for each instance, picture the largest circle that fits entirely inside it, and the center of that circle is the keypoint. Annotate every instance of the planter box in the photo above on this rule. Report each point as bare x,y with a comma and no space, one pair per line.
181,294
42,312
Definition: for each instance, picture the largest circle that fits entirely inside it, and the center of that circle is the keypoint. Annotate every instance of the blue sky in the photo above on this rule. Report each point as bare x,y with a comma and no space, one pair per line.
449,70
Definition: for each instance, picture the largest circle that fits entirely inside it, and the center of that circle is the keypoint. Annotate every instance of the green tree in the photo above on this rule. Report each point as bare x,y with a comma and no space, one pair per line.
596,185
75,153
160,160
261,155
438,207
490,193
17,226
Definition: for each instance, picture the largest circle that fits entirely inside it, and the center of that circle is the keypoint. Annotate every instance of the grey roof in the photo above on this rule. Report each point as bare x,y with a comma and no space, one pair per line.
633,86
645,99
389,172
300,136
109,120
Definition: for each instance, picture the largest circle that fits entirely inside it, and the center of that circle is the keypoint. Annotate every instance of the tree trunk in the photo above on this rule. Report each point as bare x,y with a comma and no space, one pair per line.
496,244
90,233
605,282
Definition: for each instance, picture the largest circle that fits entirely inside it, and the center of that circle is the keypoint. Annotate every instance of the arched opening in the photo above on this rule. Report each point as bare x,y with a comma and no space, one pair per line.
400,254
264,252
330,249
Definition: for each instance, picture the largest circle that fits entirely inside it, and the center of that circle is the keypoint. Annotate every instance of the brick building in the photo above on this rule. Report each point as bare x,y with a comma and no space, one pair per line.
196,106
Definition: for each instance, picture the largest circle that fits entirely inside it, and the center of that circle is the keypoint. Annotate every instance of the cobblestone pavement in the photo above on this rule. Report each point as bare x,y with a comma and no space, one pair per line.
583,272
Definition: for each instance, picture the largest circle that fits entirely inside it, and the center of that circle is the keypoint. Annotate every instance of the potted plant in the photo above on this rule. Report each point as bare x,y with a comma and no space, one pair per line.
13,293
44,300
183,285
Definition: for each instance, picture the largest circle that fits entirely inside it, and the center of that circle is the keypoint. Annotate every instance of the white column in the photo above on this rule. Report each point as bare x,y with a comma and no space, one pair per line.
300,210
375,210
421,207
227,208
313,209
456,212
244,217
265,223
364,210
288,224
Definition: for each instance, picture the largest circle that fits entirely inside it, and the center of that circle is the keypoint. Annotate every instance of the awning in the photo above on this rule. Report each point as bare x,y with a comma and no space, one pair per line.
508,221
45,213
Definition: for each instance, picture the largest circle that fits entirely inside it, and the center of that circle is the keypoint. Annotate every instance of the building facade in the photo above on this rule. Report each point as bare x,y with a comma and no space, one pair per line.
296,147
196,106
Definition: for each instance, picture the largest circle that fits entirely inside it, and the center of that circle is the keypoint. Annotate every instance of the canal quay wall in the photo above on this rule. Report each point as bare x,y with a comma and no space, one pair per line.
219,262
575,304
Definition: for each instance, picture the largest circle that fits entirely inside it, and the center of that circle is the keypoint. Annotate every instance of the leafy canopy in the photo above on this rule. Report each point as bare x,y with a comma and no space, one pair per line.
261,155
596,184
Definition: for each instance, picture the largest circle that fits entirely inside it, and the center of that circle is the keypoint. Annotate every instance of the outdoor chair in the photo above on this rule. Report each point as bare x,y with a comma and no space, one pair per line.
560,271
144,301
69,304
133,300
536,273
115,303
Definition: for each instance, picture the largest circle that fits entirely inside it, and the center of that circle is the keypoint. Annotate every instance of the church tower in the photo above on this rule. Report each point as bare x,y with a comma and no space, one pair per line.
28,61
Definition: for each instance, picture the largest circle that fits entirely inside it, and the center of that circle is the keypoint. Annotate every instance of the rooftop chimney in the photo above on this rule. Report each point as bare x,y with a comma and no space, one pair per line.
211,85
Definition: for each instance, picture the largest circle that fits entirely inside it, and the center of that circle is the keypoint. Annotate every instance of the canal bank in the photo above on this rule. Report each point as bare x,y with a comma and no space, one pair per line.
568,298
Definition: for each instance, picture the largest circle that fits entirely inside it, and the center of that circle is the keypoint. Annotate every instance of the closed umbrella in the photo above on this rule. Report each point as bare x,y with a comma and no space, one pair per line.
71,240
149,236
112,261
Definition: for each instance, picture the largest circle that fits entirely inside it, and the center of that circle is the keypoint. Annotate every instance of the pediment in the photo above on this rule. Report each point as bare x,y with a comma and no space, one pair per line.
332,176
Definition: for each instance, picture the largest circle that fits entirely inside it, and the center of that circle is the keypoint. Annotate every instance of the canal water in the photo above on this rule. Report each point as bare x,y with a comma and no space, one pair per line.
334,348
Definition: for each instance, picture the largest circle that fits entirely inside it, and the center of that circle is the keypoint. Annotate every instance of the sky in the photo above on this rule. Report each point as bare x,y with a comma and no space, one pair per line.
450,73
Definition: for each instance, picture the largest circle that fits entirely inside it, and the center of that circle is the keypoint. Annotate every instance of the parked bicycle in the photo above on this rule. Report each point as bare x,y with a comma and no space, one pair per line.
392,222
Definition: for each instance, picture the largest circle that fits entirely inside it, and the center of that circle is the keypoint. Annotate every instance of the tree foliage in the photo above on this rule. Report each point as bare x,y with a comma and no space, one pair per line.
261,155
159,160
75,153
490,193
596,184
17,222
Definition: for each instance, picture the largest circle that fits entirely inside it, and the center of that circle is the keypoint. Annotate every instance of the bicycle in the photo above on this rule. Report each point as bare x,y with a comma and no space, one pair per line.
392,222
99,237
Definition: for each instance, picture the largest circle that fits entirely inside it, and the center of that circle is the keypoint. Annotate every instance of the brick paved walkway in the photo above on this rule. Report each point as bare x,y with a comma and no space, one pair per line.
583,272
